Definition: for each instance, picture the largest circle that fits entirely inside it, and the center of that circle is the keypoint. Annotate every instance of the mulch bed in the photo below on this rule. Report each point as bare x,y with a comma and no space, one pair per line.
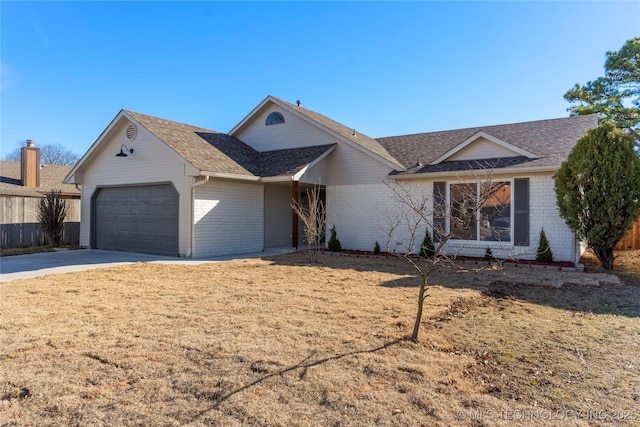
512,261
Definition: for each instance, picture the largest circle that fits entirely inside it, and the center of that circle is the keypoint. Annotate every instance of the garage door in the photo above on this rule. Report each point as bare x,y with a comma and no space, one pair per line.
140,219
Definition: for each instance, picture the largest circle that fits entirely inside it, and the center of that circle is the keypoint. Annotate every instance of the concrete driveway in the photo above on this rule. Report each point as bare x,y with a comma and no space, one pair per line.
34,265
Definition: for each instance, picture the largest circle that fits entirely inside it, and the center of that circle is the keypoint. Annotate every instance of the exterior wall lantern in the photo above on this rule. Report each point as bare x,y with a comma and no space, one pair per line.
122,153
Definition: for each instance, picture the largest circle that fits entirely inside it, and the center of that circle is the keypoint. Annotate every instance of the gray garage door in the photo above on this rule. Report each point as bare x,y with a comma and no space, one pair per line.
140,219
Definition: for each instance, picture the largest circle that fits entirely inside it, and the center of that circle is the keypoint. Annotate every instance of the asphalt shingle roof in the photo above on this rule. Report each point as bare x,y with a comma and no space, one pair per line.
237,153
551,140
187,141
289,162
460,165
51,177
216,152
212,151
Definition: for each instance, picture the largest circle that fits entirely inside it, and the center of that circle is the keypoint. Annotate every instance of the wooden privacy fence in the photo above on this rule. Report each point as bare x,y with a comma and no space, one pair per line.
631,240
19,225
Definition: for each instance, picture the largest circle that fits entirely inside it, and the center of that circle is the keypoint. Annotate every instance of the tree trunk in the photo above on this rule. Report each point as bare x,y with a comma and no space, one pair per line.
605,255
423,289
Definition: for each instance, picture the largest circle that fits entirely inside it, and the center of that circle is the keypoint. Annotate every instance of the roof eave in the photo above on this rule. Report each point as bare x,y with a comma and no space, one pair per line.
246,178
94,146
280,178
476,172
248,117
338,136
314,162
234,176
482,134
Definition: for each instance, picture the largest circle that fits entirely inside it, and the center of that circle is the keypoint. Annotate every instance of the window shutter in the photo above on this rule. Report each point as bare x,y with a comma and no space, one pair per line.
439,209
521,212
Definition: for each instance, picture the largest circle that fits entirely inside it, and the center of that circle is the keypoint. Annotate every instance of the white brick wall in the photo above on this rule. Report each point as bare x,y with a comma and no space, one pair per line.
360,214
544,213
228,218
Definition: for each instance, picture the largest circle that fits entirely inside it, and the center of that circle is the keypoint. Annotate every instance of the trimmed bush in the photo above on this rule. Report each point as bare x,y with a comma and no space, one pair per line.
427,248
376,248
544,254
488,255
334,243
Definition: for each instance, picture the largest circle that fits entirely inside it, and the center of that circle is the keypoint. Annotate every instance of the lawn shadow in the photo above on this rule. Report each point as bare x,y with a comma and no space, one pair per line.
572,291
383,264
619,300
304,364
575,292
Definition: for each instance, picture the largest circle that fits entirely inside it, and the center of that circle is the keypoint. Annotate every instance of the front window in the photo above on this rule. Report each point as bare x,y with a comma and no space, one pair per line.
463,207
480,211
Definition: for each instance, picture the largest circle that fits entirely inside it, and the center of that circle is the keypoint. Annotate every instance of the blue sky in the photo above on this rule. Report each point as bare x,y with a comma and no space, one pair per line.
383,68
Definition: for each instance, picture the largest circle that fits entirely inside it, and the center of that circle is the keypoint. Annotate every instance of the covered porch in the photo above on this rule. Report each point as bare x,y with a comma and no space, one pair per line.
282,227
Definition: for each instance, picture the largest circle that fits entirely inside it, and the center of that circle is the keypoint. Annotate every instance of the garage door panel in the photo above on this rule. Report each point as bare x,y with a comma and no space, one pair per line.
137,219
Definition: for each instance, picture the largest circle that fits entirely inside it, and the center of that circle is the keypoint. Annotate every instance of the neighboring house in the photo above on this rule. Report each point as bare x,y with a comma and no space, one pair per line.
22,185
187,191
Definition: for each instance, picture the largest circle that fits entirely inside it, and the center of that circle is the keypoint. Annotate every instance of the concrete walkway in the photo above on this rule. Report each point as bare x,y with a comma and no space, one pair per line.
34,265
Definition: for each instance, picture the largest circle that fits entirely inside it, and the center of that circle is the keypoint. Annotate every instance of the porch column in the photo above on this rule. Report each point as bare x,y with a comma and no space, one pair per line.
294,219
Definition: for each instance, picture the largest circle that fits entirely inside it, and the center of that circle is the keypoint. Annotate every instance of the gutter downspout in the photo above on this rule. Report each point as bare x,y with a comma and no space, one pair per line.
294,216
193,193
577,252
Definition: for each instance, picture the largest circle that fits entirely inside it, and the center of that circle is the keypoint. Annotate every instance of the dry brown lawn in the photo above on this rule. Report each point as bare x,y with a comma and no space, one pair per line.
279,342
625,261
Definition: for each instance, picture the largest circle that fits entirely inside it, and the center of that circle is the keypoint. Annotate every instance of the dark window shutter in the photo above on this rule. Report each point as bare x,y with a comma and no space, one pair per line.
439,210
521,215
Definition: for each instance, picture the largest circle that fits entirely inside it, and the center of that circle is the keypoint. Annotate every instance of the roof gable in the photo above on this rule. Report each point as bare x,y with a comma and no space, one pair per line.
482,145
121,121
361,142
214,153
544,143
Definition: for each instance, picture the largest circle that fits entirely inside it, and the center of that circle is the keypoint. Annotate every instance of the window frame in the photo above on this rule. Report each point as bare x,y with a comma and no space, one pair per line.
478,241
274,118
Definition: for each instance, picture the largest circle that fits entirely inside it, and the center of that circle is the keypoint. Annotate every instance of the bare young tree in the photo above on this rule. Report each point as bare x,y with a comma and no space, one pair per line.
313,215
51,214
416,211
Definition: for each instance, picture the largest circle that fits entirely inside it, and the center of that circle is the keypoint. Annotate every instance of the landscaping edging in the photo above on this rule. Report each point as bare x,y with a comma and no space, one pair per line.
524,264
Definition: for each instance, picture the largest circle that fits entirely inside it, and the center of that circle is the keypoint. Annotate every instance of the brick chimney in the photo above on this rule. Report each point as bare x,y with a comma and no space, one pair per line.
30,167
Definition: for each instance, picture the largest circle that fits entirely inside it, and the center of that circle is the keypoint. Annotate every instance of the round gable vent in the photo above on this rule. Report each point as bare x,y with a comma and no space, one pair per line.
132,132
